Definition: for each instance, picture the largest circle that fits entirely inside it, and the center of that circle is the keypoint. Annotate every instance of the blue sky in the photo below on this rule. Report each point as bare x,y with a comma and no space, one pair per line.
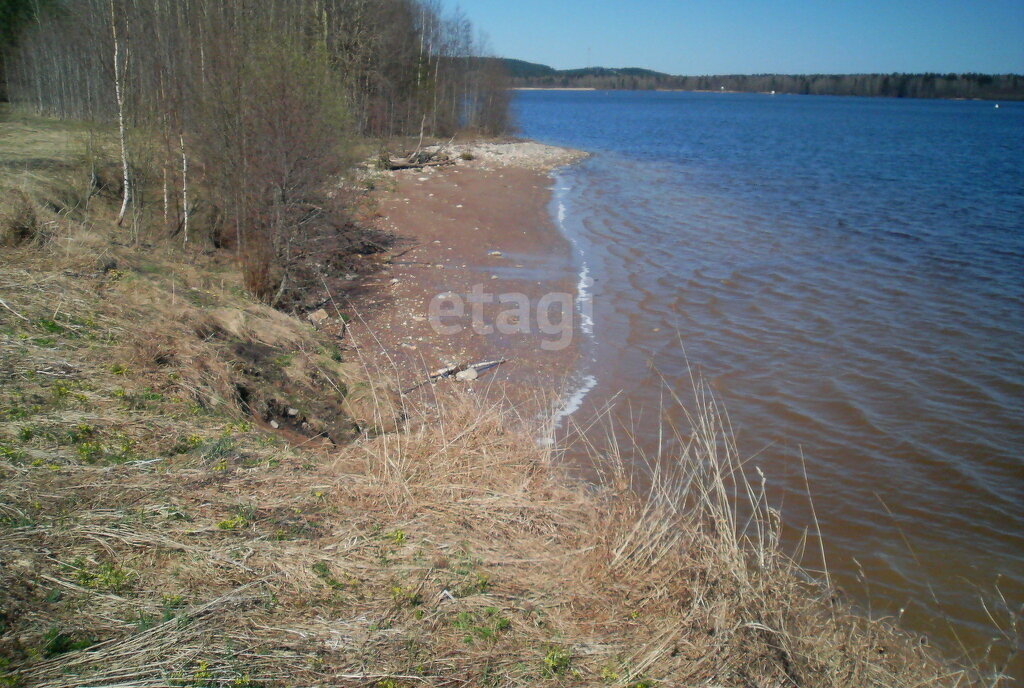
736,36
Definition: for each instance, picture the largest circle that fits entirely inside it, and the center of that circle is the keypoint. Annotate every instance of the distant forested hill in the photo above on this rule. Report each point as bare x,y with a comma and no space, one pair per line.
521,69
984,86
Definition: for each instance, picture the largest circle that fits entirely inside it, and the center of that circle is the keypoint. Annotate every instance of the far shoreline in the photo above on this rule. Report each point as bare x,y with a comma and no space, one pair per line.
761,93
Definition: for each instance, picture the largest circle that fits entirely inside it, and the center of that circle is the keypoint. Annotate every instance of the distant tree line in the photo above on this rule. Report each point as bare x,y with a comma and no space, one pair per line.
983,86
247,107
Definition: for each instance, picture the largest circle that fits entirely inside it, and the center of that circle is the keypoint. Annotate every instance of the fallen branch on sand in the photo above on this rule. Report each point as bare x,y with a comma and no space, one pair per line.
419,159
400,164
455,370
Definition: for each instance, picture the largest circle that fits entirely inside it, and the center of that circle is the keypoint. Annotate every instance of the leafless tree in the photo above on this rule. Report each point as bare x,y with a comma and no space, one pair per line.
247,106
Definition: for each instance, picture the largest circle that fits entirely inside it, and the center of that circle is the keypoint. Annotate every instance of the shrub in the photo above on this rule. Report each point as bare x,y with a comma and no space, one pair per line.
18,220
272,134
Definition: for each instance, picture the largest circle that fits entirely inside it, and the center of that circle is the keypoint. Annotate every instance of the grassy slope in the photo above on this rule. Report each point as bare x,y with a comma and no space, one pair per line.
151,533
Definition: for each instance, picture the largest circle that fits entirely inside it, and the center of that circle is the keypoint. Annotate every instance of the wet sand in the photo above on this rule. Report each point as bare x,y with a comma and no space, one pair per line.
480,226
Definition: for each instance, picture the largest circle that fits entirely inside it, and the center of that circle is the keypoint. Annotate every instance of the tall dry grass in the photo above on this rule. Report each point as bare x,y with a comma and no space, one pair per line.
454,551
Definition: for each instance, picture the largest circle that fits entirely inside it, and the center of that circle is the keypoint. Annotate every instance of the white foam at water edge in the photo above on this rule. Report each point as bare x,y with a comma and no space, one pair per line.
584,300
570,404
574,399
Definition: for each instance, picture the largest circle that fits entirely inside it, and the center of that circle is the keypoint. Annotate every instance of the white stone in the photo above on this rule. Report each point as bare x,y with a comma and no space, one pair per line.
467,375
318,316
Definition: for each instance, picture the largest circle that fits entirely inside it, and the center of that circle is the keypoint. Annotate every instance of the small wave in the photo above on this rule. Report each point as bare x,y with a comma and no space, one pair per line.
585,301
584,297
574,400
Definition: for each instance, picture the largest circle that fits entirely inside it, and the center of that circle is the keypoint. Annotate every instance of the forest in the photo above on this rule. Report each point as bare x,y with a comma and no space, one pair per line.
981,86
395,62
237,113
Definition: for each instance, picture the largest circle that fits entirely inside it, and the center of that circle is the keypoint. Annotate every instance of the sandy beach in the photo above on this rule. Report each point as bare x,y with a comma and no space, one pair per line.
478,231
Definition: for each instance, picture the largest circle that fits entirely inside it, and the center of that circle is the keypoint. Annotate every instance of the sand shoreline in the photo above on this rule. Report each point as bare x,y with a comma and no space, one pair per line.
481,234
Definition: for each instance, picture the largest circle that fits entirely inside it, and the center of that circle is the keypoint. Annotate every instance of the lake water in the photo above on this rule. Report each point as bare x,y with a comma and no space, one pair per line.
848,275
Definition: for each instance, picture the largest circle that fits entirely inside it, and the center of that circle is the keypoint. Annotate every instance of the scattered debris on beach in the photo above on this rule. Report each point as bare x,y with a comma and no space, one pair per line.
486,155
417,160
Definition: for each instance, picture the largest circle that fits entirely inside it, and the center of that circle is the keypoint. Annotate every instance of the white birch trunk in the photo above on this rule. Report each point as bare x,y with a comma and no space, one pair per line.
120,115
184,184
167,200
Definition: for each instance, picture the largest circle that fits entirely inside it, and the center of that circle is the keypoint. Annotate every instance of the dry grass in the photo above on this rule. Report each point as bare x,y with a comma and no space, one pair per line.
149,540
155,531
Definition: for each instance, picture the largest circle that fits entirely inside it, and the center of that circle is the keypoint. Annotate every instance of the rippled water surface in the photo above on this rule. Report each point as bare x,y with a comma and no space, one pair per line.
848,274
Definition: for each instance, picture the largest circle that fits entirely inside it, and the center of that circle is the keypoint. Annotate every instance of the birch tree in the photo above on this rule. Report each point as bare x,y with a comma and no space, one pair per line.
119,95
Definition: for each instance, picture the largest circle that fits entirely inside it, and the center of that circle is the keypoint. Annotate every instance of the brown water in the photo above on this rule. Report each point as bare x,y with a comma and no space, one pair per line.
848,276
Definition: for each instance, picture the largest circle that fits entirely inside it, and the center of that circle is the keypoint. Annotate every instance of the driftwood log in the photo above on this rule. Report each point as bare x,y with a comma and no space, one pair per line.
401,164
418,159
453,371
